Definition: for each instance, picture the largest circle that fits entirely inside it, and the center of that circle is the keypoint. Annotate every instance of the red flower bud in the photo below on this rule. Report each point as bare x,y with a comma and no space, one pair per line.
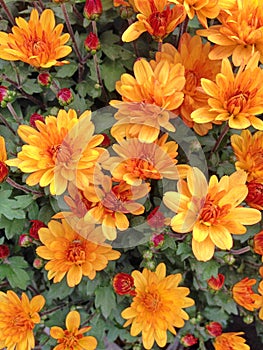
255,195
3,171
156,219
4,251
24,240
123,284
216,283
33,232
34,117
38,263
44,79
93,9
106,142
158,240
92,43
65,96
6,96
189,340
214,329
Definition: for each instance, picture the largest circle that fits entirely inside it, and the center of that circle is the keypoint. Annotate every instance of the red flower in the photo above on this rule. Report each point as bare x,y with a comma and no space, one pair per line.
4,251
214,329
92,43
156,219
189,340
123,284
3,171
106,142
93,9
258,243
33,232
216,283
64,96
44,79
255,195
34,117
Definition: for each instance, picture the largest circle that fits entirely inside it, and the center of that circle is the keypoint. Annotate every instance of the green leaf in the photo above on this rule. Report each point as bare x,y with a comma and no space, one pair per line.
17,262
67,70
59,290
12,227
11,208
18,278
111,72
105,299
31,87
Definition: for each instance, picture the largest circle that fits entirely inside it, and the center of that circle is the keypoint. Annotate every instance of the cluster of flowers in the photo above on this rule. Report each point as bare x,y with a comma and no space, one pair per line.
204,85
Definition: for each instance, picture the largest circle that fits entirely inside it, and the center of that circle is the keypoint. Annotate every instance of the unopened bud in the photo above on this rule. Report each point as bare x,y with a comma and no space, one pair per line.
92,43
64,96
44,79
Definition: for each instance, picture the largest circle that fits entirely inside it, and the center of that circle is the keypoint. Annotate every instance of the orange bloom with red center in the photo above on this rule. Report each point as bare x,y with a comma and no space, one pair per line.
193,55
157,306
239,34
111,204
140,120
211,210
244,295
123,284
37,42
139,161
61,150
157,17
230,341
18,317
158,83
203,9
72,337
216,283
248,150
235,98
255,195
73,254
3,157
258,243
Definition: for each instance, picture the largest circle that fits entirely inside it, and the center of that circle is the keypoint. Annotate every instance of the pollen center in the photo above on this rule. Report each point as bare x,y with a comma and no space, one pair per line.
22,322
192,81
212,213
152,301
76,252
237,103
70,340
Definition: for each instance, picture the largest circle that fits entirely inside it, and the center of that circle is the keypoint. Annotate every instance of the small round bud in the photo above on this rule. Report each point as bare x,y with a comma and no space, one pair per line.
3,171
64,96
4,251
44,79
93,9
214,329
229,259
248,319
36,225
38,263
6,96
34,117
92,43
147,254
189,340
150,265
24,240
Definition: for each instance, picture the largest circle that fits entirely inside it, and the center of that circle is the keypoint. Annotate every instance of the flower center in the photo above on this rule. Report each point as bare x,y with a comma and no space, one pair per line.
76,252
142,168
159,21
212,213
70,340
237,103
61,153
22,322
152,301
112,202
191,81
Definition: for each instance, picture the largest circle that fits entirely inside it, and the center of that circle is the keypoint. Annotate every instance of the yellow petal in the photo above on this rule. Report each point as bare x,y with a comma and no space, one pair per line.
221,237
133,32
73,320
203,251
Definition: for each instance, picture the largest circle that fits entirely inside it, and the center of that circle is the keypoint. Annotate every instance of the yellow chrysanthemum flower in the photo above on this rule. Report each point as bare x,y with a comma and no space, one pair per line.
240,32
37,42
230,341
211,210
203,9
138,161
73,254
235,98
248,150
72,338
155,83
157,17
18,317
61,150
157,306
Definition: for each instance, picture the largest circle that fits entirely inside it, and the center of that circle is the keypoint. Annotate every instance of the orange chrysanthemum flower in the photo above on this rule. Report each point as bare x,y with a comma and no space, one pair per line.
18,317
230,341
258,243
203,9
73,254
3,157
211,210
244,295
260,301
138,161
239,34
236,98
123,284
157,17
140,120
158,83
254,198
193,55
72,337
157,306
248,150
60,150
216,283
37,42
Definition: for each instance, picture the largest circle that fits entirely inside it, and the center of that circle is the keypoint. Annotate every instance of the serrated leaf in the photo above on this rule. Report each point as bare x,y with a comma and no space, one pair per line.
12,227
30,87
17,262
18,278
59,290
105,299
111,72
67,70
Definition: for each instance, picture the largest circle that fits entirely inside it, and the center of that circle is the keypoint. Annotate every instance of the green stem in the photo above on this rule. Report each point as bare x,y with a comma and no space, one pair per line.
8,13
23,188
240,251
50,311
18,119
219,140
